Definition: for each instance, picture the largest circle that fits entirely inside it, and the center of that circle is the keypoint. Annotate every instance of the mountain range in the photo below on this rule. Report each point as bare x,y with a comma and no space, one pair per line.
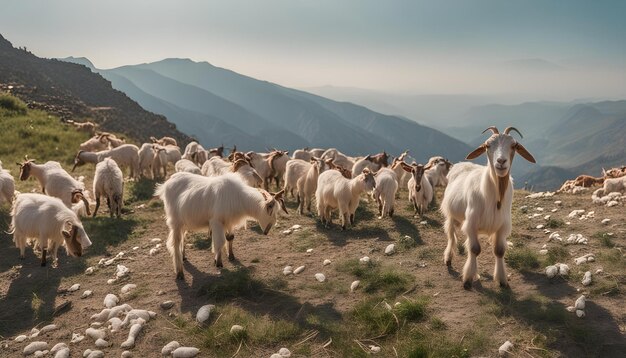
219,106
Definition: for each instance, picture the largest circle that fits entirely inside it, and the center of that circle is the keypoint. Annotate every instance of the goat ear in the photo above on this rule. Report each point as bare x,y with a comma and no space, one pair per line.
281,202
279,195
270,206
524,153
406,167
66,234
477,152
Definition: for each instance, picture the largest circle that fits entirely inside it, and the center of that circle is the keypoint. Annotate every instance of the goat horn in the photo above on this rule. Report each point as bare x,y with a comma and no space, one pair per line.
508,129
493,129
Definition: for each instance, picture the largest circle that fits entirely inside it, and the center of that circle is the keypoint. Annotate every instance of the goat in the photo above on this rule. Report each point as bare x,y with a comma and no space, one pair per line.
159,161
372,162
89,127
164,141
216,166
7,186
109,181
126,155
146,155
55,181
436,171
94,144
420,190
222,204
478,201
46,219
385,191
336,192
307,185
294,170
113,141
185,165
277,161
260,163
302,154
339,158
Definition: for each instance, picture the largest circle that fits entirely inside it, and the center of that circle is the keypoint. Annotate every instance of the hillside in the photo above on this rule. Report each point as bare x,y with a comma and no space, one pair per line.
73,91
408,303
309,119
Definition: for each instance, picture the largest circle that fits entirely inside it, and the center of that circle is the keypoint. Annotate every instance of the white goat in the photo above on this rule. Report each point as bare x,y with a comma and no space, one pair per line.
49,221
307,185
185,165
113,141
216,166
260,163
339,158
159,161
385,191
164,141
146,154
55,181
222,204
294,170
478,201
108,181
94,144
126,155
277,161
173,154
612,185
302,154
437,170
7,186
336,192
420,190
89,127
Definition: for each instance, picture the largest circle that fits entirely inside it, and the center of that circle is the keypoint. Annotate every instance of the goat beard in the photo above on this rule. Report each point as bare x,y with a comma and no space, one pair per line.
503,183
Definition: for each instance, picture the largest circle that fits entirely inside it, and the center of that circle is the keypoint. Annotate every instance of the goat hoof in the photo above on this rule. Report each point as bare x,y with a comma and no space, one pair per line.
467,285
231,257
505,285
180,276
184,258
449,263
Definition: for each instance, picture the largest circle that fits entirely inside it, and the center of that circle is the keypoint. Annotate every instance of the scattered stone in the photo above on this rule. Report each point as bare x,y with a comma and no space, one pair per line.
326,262
543,252
287,232
599,271
89,270
296,227
111,281
153,251
571,309
606,221
35,346
424,222
320,277
169,348
354,285
101,343
48,328
57,347
309,251
558,202
77,338
236,329
185,352
121,271
390,249
584,259
127,288
547,217
523,208
563,269
364,260
299,269
587,279
374,349
167,305
95,354
541,226
580,313
288,270
577,239
74,287
126,354
612,203
580,303
21,338
156,240
204,313
133,333
554,210
62,353
505,349
95,334
110,300
551,271
135,248
575,213
284,352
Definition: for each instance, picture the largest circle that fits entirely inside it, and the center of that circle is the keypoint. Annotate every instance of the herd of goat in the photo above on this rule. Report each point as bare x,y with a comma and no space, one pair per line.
218,193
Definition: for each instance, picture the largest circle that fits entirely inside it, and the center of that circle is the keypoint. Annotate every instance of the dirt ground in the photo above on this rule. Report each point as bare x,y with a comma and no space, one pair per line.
253,290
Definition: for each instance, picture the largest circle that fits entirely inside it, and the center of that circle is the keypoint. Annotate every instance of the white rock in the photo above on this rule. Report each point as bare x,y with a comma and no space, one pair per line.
354,285
387,306
126,354
390,249
169,348
543,252
364,259
235,329
35,346
48,328
34,333
89,270
77,338
166,305
374,349
40,353
423,222
204,313
299,269
101,343
128,287
86,352
153,251
575,213
74,287
547,217
612,203
109,262
287,232
523,208
276,355
288,270
599,271
284,352
62,353
580,303
135,248
606,221
157,246
133,333
95,333
552,271
587,279
110,300
21,338
296,227
111,281
580,313
121,271
309,251
540,226
185,352
96,354
558,202
326,262
570,309
563,269
554,210
156,240
505,349
320,277
539,208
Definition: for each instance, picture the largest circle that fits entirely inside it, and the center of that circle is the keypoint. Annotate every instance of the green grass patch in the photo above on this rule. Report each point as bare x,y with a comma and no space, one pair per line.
556,254
406,242
375,278
522,258
553,223
412,310
11,105
373,319
141,190
604,238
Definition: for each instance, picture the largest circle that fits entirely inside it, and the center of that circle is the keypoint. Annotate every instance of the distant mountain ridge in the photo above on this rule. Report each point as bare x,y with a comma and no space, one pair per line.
257,114
72,91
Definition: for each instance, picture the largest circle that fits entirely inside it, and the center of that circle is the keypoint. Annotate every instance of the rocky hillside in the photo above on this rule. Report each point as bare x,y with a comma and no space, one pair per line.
73,91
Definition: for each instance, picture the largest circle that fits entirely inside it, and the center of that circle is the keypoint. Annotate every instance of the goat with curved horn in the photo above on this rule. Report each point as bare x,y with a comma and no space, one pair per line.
508,129
493,129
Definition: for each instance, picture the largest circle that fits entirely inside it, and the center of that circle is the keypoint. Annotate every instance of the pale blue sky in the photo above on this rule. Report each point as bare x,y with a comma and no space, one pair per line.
413,46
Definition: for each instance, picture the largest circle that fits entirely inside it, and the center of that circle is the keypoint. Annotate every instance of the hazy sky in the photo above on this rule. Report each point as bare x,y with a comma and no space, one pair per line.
411,46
